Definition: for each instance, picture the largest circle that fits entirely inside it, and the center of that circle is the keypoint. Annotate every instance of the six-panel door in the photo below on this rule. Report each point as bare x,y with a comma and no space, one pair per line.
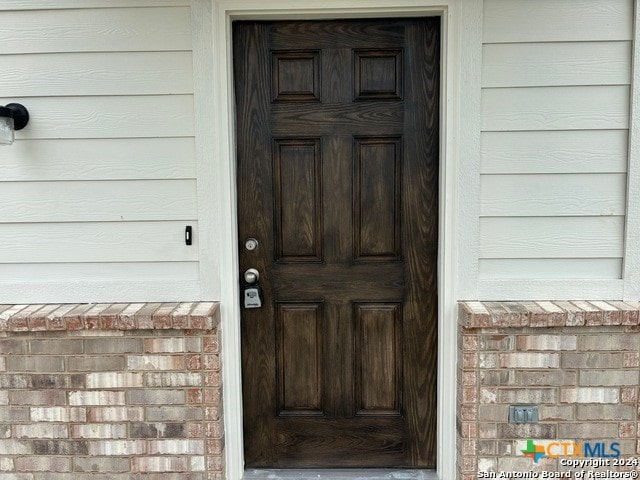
337,128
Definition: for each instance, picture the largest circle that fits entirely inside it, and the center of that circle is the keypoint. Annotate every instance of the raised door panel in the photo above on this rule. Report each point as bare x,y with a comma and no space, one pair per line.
298,206
378,74
377,203
295,76
299,359
378,358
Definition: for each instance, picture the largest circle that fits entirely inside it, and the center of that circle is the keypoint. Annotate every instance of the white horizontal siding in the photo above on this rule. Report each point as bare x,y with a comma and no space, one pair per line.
100,272
118,73
549,268
508,21
554,64
577,151
66,4
555,108
97,190
96,30
99,159
551,289
553,195
108,201
104,291
94,242
555,118
107,117
551,237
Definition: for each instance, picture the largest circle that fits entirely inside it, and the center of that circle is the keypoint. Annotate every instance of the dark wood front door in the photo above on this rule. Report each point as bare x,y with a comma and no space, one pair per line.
337,130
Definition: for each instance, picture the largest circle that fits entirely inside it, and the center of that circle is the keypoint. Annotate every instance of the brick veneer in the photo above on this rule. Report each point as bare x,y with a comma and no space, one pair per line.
578,361
106,316
113,392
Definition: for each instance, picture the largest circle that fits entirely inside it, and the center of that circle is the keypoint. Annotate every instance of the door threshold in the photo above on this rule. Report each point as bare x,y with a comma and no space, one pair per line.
340,474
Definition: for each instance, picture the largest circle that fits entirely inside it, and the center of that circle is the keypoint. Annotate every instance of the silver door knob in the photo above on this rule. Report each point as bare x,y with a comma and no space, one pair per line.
251,275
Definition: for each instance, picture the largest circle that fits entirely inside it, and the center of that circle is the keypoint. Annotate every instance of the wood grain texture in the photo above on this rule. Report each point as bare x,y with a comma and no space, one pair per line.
553,64
337,35
375,438
96,30
295,76
107,117
376,198
100,272
551,268
99,159
96,242
551,237
299,328
377,74
577,151
375,278
507,21
555,108
378,371
370,150
112,73
106,201
553,195
297,180
366,118
252,63
420,225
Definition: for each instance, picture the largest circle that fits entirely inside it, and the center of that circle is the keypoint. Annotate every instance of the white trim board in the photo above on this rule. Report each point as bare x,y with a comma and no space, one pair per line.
631,268
461,25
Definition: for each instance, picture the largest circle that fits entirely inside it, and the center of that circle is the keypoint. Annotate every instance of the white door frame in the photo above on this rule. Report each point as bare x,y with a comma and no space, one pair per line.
461,24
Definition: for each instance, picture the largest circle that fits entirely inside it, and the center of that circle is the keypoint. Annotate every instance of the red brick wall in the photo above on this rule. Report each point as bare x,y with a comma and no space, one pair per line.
107,399
578,361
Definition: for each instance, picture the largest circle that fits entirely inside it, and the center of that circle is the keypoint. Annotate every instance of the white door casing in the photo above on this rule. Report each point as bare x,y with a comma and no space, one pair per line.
461,27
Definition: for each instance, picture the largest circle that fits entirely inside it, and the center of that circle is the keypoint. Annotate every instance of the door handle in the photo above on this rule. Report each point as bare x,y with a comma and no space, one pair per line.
252,293
251,275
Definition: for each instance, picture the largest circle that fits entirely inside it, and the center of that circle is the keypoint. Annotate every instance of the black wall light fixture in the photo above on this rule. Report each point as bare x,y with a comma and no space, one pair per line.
12,117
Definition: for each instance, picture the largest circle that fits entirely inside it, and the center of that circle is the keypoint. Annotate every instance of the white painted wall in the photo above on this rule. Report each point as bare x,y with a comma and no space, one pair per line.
556,79
96,192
